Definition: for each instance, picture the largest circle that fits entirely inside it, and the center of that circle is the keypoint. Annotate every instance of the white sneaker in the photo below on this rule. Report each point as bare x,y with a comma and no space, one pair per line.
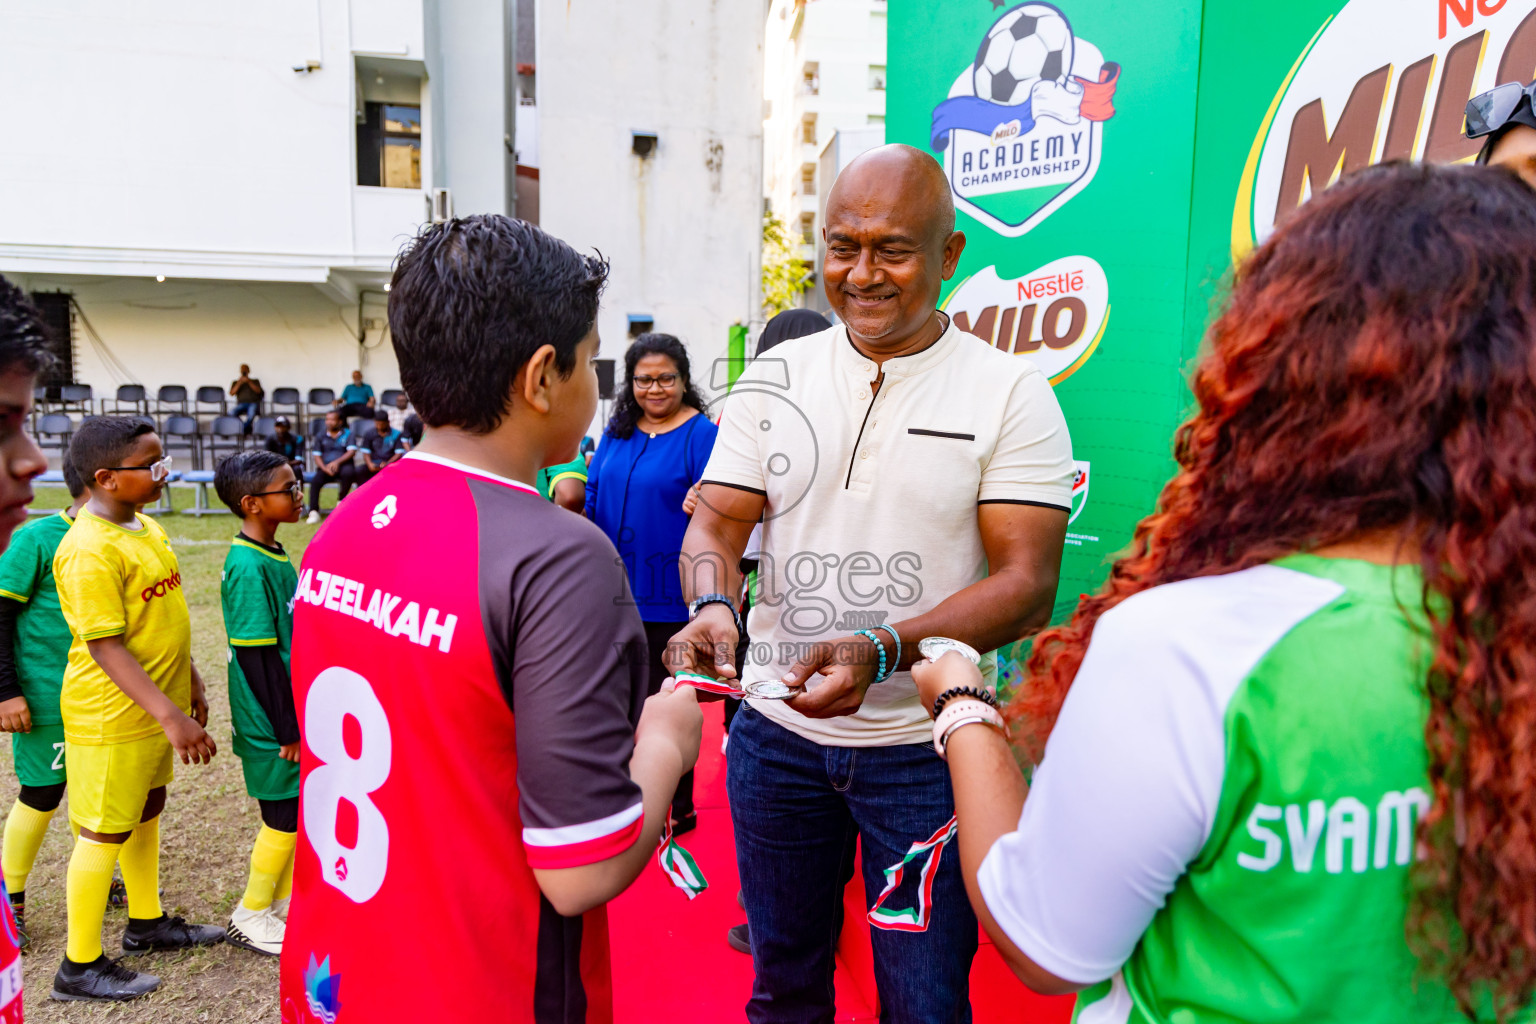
314,517
260,931
280,907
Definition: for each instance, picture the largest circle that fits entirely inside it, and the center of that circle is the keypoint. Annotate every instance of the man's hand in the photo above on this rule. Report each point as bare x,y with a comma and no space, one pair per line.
707,645
189,739
935,677
847,666
15,716
673,716
289,752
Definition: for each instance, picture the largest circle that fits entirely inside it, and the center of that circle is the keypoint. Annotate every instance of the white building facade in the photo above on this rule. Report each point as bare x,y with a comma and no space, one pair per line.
649,150
823,104
217,184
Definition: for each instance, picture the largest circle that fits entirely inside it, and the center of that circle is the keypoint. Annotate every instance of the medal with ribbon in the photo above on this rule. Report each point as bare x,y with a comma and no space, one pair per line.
914,919
679,865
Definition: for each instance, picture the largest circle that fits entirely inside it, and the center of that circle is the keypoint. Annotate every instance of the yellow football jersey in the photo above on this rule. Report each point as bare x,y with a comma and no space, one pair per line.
117,581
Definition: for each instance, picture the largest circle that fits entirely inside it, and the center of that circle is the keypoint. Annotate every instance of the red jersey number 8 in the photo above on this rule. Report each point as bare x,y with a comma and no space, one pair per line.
336,693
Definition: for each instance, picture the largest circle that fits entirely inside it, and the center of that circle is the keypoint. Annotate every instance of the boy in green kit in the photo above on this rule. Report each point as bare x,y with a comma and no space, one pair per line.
257,594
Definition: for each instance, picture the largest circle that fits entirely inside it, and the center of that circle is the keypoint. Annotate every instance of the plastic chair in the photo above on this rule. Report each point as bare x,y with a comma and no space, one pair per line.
54,429
264,427
387,399
75,396
134,396
322,399
288,398
209,395
226,434
202,478
181,432
171,398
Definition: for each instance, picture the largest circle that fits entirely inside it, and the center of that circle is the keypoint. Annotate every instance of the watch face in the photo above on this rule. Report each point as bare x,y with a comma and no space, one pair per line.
935,647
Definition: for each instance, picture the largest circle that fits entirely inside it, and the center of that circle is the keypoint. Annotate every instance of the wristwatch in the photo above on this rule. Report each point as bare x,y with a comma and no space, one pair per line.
699,602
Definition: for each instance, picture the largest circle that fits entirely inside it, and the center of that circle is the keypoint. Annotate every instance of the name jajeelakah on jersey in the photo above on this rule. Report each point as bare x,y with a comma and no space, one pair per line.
468,670
1223,824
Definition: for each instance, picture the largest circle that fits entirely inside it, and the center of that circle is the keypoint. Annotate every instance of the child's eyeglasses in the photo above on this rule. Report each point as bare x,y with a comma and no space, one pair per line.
294,490
158,470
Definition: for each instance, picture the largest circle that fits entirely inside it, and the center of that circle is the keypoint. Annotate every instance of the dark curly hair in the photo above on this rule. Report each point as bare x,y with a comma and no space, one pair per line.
472,299
1374,374
626,410
23,338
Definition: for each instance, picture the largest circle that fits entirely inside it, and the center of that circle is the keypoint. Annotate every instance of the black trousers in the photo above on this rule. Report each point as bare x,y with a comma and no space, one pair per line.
657,635
345,477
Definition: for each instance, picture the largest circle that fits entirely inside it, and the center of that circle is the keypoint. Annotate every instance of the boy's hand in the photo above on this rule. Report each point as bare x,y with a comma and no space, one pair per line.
673,716
199,699
289,752
190,740
15,716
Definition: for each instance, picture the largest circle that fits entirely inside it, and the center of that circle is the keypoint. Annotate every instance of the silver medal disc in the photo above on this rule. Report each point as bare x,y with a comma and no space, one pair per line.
935,647
769,689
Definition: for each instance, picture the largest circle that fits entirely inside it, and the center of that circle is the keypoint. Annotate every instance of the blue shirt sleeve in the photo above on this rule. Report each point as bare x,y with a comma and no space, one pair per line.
593,467
701,442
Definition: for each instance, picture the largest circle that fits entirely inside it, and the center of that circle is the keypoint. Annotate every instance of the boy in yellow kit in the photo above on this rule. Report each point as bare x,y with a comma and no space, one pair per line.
131,697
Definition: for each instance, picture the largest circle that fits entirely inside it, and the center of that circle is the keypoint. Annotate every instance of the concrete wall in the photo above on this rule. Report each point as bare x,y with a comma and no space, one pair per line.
682,226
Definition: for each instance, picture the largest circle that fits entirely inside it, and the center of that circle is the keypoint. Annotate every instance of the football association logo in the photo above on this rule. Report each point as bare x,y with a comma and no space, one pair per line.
1022,130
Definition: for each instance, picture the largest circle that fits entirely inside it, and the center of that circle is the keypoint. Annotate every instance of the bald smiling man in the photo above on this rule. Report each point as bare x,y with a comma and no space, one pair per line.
912,481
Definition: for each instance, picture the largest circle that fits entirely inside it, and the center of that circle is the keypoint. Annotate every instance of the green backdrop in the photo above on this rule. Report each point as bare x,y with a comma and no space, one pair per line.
1109,159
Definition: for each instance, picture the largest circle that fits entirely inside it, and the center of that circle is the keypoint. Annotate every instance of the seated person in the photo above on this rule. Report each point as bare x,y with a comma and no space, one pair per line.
334,452
286,443
401,411
356,398
380,446
247,393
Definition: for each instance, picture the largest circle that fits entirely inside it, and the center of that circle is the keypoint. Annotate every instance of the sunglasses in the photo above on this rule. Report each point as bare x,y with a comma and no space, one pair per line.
1493,109
158,470
294,490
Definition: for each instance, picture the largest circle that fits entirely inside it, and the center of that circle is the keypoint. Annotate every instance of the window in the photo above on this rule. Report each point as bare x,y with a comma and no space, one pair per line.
808,179
389,124
877,77
810,79
389,146
877,26
808,129
875,119
808,228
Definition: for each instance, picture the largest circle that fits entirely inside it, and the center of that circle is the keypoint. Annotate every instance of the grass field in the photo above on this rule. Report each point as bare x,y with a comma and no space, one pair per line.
206,834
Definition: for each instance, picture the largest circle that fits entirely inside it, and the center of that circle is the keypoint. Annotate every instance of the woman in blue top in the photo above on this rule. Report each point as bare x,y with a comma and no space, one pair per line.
653,452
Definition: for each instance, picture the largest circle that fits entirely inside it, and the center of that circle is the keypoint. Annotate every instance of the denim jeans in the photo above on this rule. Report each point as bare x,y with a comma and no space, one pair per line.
248,411
797,807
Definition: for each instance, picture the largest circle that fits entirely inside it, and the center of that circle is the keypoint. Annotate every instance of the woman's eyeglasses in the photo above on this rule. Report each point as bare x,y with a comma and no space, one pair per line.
158,470
294,490
666,380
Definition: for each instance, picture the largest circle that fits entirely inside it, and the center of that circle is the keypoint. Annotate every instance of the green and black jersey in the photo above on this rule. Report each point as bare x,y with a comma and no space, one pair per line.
257,596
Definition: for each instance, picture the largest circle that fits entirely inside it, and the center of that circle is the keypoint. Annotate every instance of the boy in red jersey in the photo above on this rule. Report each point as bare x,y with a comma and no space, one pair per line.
469,672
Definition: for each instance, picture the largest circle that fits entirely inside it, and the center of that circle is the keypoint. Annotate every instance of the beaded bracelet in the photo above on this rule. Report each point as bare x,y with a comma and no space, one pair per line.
896,664
969,692
880,675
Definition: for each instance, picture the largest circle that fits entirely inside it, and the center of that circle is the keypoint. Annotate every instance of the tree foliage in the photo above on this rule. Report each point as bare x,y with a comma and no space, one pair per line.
784,272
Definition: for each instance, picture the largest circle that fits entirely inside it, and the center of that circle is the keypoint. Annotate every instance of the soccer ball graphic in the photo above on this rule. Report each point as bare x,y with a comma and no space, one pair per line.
1031,42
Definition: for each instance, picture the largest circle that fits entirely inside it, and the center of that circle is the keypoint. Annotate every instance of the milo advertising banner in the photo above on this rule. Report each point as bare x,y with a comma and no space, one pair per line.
1109,160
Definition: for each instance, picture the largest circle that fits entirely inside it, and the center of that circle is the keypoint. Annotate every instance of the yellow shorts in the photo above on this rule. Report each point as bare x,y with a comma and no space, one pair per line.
109,782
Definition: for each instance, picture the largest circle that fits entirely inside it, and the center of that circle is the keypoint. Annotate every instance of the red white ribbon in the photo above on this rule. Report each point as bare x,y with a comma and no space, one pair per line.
916,918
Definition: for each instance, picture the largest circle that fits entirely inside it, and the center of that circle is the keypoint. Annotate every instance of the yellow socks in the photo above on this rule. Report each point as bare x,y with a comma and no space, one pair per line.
271,859
24,832
90,878
141,870
285,883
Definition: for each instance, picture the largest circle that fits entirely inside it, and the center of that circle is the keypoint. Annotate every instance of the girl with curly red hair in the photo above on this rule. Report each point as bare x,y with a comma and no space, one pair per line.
1291,762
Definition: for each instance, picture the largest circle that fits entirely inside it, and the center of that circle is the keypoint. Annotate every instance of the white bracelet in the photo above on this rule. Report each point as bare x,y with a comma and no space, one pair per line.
963,712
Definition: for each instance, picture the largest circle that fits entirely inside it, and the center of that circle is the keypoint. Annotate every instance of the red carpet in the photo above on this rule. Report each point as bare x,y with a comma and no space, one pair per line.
671,963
